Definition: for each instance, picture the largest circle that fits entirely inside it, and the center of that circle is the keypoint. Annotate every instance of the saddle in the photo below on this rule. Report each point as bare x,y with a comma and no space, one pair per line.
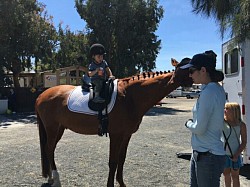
106,94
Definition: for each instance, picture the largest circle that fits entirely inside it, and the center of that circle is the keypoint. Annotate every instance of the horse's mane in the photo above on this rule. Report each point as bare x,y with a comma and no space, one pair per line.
144,76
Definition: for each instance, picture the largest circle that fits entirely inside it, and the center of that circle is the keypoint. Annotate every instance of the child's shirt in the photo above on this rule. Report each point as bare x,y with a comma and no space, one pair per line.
93,66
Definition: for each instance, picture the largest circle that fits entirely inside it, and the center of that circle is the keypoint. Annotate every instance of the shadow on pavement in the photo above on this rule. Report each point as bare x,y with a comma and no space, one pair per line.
46,185
25,118
158,110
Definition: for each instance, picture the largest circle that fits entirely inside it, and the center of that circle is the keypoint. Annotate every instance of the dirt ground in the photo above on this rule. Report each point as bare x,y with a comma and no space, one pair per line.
82,161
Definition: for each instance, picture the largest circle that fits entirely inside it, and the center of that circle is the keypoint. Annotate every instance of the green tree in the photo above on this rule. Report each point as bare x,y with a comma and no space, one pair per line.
72,47
232,15
126,29
44,40
24,34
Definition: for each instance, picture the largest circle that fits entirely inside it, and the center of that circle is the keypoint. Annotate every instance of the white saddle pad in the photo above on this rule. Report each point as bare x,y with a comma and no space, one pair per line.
78,100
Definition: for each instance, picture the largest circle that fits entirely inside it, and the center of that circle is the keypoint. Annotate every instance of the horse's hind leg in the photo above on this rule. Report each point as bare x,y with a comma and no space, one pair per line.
53,138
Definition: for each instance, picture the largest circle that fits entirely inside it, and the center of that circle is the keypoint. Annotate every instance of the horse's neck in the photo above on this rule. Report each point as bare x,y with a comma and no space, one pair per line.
149,92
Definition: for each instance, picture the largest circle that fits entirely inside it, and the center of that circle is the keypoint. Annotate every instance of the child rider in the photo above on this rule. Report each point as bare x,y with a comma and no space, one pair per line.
99,70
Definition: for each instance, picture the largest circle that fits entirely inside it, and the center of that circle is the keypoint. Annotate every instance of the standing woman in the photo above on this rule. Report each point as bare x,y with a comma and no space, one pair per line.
208,157
235,140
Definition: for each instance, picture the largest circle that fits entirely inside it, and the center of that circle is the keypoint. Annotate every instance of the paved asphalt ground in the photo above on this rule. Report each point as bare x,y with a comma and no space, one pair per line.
82,161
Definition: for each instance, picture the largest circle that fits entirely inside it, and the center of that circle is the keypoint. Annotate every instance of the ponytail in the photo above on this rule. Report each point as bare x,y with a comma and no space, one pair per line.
216,76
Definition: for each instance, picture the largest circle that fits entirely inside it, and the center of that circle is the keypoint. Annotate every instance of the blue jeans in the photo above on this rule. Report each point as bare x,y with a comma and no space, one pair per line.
207,170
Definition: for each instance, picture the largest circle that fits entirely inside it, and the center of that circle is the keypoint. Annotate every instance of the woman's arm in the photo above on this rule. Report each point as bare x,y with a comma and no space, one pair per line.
205,105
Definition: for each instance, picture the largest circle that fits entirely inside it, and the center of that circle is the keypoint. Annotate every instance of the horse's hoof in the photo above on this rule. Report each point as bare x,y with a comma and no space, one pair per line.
46,185
100,131
56,185
50,181
121,184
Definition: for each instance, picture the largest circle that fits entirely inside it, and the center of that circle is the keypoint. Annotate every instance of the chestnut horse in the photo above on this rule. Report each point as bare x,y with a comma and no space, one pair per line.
136,95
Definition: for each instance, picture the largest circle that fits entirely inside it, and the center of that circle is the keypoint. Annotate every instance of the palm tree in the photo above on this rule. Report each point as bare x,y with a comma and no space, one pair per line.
232,15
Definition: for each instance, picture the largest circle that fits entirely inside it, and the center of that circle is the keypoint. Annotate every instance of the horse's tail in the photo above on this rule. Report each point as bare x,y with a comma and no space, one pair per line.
43,142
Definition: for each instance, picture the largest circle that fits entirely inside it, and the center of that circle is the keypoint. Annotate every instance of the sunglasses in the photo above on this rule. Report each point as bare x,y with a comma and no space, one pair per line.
192,70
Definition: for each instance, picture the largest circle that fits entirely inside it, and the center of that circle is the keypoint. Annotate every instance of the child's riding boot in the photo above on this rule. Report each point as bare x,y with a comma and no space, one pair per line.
98,99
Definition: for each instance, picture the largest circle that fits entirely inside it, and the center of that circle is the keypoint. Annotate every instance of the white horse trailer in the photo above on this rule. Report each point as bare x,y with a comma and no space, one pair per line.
236,67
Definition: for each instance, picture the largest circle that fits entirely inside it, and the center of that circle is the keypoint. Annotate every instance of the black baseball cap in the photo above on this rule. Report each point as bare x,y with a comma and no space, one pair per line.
201,60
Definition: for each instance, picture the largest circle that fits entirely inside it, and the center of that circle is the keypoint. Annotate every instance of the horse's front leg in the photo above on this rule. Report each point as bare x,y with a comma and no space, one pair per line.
122,157
114,152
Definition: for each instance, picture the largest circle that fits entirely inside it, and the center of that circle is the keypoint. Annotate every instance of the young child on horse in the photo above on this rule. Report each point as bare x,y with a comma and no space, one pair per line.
99,70
235,139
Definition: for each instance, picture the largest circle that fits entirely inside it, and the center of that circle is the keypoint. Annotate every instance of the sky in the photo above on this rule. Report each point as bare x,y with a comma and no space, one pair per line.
182,33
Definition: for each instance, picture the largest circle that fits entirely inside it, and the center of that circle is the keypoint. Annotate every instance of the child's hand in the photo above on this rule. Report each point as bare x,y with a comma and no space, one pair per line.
112,77
234,159
100,71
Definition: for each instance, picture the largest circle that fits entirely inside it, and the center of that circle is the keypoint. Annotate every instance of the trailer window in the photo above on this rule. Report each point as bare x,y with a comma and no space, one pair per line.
231,62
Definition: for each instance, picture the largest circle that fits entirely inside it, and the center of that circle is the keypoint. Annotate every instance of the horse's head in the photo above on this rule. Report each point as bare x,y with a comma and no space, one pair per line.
182,75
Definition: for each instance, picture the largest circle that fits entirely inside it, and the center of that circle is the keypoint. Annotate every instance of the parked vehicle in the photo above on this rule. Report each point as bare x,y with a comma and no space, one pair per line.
236,67
175,93
191,94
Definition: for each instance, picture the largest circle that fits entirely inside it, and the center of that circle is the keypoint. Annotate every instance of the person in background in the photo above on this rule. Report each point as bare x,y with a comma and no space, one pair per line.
208,156
235,140
99,70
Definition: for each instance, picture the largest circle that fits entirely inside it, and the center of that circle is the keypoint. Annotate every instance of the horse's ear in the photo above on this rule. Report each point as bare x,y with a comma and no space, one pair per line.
174,62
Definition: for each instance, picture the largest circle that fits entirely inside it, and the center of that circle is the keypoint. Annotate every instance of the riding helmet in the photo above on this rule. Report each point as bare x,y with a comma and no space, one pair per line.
97,49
